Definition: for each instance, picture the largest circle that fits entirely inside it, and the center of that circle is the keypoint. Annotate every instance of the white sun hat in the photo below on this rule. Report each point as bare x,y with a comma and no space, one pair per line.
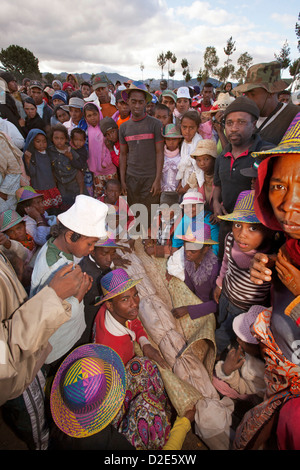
86,217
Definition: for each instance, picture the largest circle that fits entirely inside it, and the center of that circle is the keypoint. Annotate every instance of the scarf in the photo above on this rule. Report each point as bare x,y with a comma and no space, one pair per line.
293,250
10,157
29,242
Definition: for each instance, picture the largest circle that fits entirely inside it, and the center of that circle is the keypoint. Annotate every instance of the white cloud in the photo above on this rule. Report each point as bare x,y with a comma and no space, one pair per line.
91,36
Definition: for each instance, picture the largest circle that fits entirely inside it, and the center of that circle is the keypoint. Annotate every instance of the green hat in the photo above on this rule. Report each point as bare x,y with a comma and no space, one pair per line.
170,93
265,75
8,219
170,131
100,81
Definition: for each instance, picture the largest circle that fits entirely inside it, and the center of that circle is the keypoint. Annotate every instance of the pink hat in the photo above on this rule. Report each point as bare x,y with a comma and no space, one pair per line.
192,197
242,323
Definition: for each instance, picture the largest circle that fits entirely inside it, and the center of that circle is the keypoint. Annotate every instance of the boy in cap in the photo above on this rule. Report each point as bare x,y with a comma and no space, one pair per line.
36,92
101,88
123,111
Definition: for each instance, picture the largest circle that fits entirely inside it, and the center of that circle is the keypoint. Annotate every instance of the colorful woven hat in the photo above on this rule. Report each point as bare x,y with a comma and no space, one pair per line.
290,142
8,219
108,243
170,131
201,236
242,323
88,390
243,209
26,192
115,283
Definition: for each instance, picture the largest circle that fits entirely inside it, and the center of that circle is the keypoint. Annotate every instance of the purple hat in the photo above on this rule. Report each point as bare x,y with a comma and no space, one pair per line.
136,86
26,192
243,209
9,219
115,283
242,323
201,236
88,390
108,243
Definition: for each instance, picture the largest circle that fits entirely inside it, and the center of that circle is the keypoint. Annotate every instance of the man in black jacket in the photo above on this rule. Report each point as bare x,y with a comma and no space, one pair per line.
240,126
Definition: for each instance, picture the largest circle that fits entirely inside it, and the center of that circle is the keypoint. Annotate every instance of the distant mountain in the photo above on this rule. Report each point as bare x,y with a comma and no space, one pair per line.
154,83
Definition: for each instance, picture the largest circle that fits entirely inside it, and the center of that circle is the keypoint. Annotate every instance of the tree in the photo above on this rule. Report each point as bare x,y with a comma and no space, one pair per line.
229,50
244,62
162,60
211,61
49,77
284,56
186,71
202,76
171,58
297,31
142,70
20,62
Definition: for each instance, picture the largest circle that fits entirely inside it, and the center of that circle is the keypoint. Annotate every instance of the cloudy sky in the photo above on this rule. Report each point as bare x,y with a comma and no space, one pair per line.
116,36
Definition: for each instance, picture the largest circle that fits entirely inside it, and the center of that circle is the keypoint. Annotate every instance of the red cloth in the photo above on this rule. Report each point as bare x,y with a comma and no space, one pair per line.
123,345
288,428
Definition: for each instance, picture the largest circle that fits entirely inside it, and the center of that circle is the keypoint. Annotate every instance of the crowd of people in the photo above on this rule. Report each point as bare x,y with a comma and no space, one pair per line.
208,179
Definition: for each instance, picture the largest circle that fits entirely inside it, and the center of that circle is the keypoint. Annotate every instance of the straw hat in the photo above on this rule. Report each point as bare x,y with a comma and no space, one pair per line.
201,236
290,142
243,209
115,283
242,323
8,219
205,147
88,390
223,101
86,217
136,86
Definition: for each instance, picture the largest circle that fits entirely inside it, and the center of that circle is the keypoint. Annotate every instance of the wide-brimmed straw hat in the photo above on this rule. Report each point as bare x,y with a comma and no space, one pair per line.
205,147
88,390
136,86
222,102
201,236
9,219
264,75
86,217
115,283
243,209
290,142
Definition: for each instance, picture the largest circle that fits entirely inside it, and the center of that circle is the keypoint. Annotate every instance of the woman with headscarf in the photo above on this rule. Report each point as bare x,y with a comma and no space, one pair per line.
277,205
